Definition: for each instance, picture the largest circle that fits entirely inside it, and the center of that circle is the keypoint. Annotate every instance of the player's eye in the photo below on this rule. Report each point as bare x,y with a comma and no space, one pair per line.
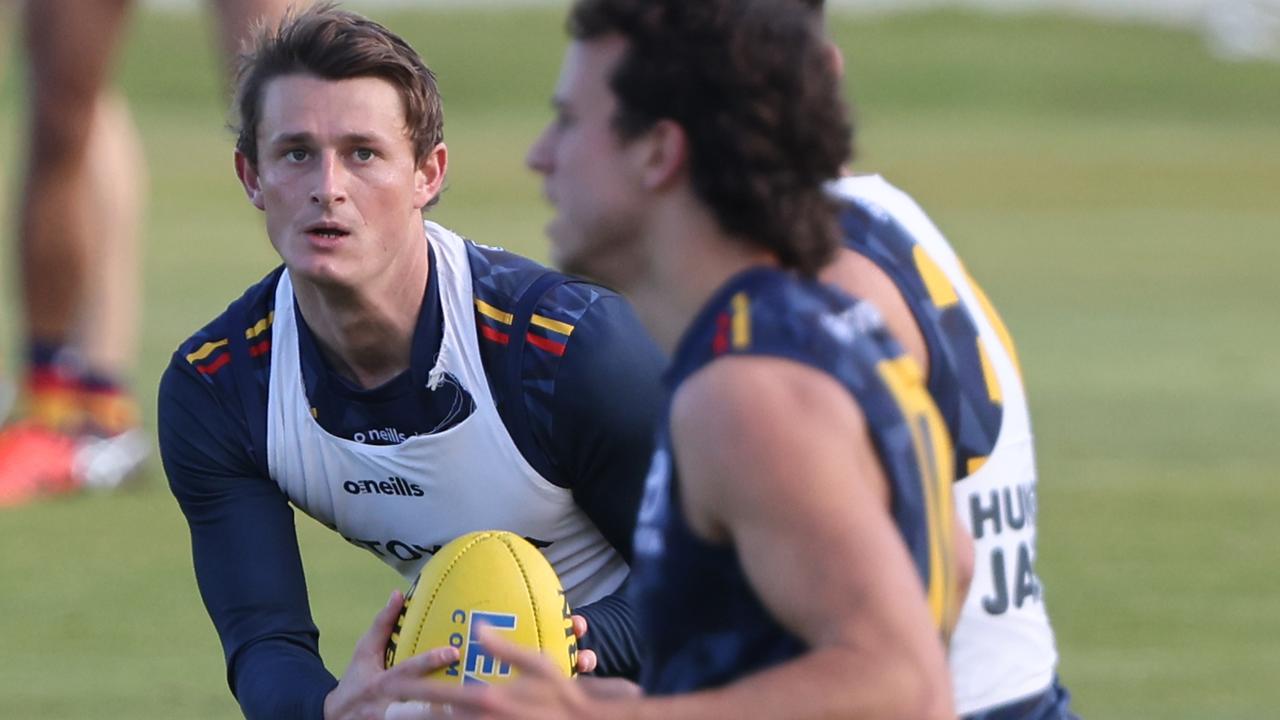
295,155
364,154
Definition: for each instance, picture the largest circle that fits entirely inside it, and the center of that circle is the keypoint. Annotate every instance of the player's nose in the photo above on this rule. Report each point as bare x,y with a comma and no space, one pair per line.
329,185
538,159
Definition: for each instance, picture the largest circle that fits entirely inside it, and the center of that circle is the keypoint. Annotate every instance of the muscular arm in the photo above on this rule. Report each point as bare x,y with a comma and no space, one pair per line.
244,551
810,520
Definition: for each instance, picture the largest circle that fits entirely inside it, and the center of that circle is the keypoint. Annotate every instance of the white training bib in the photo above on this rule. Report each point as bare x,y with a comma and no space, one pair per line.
402,502
1003,646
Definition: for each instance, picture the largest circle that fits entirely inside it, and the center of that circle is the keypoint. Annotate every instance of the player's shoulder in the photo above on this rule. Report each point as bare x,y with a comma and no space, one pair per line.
208,351
767,311
878,218
771,304
514,293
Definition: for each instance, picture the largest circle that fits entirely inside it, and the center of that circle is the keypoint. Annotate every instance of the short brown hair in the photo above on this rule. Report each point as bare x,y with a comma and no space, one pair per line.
336,45
751,84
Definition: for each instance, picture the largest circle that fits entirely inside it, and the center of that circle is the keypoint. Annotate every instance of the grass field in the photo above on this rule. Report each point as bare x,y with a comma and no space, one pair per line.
1116,190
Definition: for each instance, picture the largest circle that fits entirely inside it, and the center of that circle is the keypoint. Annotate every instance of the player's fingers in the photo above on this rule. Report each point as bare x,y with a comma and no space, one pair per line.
422,710
610,688
579,626
587,661
427,662
528,662
409,710
463,701
374,641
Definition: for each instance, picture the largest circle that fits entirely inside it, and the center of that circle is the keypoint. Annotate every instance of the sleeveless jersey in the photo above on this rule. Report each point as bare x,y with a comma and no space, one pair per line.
415,496
705,624
1003,646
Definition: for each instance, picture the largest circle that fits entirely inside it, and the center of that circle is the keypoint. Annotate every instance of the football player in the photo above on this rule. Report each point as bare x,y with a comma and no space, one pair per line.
80,214
1002,653
398,383
793,549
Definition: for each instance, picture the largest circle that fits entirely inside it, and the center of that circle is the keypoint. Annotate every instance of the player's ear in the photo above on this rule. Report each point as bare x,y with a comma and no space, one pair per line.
663,153
428,179
248,175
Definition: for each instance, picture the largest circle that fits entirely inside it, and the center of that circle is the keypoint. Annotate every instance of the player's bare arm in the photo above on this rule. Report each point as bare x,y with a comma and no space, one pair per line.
810,519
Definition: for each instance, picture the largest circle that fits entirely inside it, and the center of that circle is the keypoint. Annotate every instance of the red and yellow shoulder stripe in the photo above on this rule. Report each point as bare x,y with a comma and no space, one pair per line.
213,355
733,327
544,333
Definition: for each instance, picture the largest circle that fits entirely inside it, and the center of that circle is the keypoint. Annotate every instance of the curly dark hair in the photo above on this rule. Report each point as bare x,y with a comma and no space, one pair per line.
752,86
336,45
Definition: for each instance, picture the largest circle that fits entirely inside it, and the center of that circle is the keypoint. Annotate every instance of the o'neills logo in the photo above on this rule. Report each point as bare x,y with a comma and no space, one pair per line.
390,486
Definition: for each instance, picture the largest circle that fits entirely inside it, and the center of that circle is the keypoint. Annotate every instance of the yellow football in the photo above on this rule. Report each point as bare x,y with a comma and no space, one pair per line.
492,577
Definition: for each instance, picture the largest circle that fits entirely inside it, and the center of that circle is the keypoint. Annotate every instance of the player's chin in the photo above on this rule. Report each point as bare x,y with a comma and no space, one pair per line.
561,244
574,263
321,270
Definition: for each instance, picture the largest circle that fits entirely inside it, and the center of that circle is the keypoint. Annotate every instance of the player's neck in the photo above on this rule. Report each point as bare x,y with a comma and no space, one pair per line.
366,332
691,258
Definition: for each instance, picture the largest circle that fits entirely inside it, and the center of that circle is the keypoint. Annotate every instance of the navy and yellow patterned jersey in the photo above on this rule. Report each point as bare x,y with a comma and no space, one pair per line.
576,382
961,379
704,622
1003,653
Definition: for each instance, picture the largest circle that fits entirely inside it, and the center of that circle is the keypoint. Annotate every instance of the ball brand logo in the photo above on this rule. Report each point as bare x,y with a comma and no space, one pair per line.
390,486
480,667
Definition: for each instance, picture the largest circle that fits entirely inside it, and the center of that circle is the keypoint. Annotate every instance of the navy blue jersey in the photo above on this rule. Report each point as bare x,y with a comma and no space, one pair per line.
704,623
576,382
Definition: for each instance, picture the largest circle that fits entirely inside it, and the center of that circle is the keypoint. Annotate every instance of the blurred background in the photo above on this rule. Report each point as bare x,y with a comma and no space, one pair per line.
1110,171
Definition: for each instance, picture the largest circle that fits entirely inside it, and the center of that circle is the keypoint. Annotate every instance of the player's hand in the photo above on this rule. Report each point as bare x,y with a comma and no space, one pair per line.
367,688
587,660
540,692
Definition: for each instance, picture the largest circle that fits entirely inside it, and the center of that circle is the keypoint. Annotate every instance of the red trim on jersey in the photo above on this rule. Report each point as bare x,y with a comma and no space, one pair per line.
495,335
551,346
215,365
260,349
720,344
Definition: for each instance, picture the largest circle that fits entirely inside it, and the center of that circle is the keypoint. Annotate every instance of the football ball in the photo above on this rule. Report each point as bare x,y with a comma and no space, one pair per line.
492,577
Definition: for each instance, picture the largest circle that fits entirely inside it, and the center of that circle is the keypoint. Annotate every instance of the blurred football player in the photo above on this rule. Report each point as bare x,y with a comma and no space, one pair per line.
400,384
81,207
1002,653
793,549
80,211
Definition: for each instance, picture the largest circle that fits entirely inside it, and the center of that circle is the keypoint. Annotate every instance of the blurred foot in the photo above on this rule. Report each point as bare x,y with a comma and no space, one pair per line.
65,443
109,462
35,462
7,396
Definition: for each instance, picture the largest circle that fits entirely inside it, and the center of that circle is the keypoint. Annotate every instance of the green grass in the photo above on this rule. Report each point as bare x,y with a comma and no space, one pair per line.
1112,186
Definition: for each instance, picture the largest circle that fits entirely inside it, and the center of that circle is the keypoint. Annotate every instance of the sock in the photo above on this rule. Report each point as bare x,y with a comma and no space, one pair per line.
108,410
53,400
65,395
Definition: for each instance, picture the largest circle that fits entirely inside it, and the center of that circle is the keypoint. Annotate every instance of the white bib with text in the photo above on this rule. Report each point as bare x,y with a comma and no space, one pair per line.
402,502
